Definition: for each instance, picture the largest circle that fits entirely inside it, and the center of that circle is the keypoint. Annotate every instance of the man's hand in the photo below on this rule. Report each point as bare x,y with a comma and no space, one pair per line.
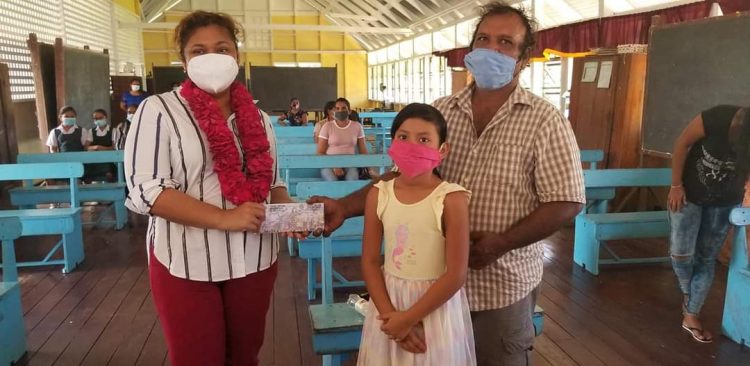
485,248
334,214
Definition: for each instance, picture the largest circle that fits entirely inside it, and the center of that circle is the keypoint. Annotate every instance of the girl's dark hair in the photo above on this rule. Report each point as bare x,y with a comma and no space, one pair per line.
138,80
500,8
421,111
102,111
198,19
743,144
425,112
328,106
66,109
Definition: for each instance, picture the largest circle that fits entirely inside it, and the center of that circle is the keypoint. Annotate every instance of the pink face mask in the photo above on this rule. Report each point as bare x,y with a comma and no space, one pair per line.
413,159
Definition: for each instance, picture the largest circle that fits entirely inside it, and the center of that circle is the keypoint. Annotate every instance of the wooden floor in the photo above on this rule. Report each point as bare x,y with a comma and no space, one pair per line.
103,313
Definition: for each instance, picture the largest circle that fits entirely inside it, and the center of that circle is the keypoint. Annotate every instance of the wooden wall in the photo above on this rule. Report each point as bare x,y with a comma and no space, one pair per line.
609,118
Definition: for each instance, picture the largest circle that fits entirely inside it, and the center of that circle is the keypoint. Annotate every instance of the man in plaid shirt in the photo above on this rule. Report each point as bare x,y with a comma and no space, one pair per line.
518,155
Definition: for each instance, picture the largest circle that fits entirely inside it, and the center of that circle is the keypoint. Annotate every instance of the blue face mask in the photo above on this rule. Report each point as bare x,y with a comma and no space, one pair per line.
100,122
490,69
69,121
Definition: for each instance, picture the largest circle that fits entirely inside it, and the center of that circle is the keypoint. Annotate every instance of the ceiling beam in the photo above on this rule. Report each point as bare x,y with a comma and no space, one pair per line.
288,27
243,49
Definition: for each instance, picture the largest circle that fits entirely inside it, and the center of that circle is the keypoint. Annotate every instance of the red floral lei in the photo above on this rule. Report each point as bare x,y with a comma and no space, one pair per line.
235,185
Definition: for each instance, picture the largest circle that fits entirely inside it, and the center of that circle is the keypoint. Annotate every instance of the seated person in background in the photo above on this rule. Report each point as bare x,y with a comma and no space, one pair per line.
102,138
295,116
341,137
133,96
328,113
121,131
68,136
354,116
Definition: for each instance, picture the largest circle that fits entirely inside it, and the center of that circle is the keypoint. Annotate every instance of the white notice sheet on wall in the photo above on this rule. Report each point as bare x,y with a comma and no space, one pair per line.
589,72
605,74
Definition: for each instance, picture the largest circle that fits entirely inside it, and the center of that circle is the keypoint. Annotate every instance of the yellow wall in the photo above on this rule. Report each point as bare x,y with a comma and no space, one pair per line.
132,5
352,68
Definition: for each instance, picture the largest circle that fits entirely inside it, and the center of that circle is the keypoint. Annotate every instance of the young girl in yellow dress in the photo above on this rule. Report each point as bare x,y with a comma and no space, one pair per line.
420,314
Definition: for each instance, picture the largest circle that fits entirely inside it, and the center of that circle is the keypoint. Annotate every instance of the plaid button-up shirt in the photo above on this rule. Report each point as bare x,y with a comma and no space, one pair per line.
527,155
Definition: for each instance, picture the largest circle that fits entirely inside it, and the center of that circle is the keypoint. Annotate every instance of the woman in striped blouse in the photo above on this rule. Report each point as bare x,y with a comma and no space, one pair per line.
200,161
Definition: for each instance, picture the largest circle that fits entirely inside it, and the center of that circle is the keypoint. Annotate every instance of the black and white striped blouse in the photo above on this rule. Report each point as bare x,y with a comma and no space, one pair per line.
165,148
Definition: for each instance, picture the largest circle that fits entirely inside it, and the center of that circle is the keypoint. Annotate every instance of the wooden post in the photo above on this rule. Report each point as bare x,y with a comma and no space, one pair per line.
8,140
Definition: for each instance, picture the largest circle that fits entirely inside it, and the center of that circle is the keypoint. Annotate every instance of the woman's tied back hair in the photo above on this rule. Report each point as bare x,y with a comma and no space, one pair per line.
198,19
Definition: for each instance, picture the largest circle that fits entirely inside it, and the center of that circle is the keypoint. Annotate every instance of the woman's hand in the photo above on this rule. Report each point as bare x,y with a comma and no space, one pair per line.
245,217
396,325
676,199
339,172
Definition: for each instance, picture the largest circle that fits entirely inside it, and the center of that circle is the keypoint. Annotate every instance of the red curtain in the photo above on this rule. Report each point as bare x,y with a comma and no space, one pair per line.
612,31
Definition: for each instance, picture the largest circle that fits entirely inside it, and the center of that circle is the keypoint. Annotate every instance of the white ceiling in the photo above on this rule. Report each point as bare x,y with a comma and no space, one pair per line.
378,23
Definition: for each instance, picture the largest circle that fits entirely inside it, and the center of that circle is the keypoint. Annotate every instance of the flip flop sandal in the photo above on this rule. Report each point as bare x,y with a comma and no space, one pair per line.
698,337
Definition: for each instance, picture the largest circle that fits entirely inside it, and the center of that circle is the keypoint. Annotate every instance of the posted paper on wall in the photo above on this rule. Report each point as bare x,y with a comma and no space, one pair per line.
293,217
605,74
589,71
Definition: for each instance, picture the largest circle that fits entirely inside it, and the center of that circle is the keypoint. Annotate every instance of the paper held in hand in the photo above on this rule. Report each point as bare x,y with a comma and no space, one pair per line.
293,217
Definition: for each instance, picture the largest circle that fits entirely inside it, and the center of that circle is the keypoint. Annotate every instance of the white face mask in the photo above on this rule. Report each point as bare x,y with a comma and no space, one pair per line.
213,72
135,87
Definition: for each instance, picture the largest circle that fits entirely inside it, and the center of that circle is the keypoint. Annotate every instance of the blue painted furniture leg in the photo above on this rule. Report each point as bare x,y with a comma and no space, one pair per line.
291,245
735,322
121,214
73,246
326,271
586,246
312,274
332,360
12,333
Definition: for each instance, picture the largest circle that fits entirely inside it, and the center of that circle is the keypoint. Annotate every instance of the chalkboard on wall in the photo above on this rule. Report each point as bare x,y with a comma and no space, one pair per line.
693,66
82,81
275,86
165,76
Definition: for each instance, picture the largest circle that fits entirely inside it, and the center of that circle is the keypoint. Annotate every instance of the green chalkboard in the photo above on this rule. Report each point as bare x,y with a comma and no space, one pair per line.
693,66
275,86
82,81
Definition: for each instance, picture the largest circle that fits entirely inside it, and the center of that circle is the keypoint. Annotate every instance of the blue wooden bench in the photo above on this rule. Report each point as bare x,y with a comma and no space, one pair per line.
593,229
28,196
56,221
12,334
735,322
290,163
597,199
297,149
344,242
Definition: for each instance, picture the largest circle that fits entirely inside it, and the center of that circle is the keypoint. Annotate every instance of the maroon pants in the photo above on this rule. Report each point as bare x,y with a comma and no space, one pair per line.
212,323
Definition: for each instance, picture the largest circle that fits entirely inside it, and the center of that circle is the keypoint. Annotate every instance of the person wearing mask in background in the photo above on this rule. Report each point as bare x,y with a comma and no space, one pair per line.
68,136
134,96
518,156
328,110
102,139
201,163
120,133
341,137
295,116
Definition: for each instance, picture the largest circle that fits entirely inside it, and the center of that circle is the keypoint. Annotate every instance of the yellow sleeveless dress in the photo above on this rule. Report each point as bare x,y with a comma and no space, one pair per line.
414,259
